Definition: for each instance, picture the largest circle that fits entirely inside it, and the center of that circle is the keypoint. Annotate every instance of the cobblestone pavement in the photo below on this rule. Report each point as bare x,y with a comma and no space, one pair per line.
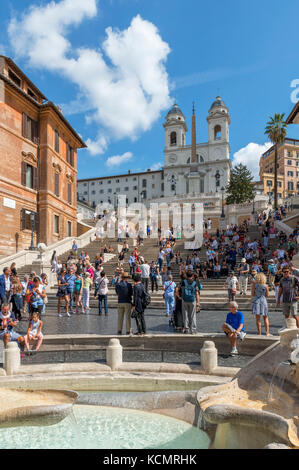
207,322
157,323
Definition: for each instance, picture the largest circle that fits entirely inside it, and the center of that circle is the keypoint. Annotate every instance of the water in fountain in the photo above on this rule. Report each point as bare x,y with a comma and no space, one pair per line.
270,393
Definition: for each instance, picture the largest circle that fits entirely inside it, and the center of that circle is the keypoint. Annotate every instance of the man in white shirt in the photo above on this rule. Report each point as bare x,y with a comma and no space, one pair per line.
103,292
145,274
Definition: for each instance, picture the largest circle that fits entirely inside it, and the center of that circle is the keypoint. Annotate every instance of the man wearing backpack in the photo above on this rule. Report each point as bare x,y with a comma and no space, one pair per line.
138,305
190,297
272,270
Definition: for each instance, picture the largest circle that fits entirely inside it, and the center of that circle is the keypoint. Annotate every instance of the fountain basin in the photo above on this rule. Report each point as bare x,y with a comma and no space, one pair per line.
34,407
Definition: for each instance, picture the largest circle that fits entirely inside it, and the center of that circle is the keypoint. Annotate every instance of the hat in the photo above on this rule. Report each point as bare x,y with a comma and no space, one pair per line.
125,275
243,260
271,260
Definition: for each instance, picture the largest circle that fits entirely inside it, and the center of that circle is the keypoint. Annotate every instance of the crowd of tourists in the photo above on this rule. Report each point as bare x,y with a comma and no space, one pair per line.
262,268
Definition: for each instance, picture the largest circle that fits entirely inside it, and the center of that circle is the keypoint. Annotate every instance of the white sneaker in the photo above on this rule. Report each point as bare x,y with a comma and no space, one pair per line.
68,314
59,314
234,352
242,335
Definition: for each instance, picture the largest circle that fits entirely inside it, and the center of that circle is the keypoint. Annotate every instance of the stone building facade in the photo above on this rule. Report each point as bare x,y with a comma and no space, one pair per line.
38,172
288,169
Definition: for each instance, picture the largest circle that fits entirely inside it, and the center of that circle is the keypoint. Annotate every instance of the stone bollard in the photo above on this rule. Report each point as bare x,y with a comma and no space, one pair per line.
209,356
11,358
291,323
114,354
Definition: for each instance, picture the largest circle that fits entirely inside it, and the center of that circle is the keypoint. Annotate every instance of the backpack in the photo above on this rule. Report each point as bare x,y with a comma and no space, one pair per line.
146,299
273,269
189,291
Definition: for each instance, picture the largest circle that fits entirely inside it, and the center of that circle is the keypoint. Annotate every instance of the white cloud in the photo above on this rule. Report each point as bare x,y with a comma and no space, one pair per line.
97,147
156,166
119,159
125,84
250,156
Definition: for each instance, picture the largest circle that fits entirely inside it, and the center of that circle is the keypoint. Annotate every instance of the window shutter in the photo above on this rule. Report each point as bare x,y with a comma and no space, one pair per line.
56,183
23,219
72,156
35,178
57,141
24,126
23,173
69,193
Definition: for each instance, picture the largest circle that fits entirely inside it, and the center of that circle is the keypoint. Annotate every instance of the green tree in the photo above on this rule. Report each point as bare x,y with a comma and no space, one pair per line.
276,130
240,189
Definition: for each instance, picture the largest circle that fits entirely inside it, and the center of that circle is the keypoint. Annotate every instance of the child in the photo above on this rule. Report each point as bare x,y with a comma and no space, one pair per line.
78,292
34,332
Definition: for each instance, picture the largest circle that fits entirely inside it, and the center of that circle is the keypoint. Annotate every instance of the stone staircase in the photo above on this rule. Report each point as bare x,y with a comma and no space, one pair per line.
213,295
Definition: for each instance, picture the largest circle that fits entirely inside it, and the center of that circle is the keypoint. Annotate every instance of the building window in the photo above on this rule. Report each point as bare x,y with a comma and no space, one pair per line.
144,182
69,193
126,188
135,188
93,192
173,138
101,191
109,182
153,186
56,141
269,183
290,186
110,190
14,78
279,184
29,128
31,94
56,184
69,229
290,162
29,176
290,173
117,181
202,185
217,132
56,224
70,155
135,179
26,220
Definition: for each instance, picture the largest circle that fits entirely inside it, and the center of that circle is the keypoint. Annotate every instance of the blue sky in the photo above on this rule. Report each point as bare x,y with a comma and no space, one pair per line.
246,51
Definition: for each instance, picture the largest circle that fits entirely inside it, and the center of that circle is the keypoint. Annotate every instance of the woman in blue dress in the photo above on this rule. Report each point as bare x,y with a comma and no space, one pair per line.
259,294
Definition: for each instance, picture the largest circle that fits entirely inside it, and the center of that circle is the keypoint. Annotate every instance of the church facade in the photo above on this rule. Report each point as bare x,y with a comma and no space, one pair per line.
202,169
194,172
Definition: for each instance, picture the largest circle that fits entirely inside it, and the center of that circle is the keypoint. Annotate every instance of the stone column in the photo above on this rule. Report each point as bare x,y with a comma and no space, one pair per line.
11,358
209,357
114,354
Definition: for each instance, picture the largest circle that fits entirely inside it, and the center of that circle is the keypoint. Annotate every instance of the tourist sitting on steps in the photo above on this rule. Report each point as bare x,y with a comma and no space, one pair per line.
34,333
234,326
7,323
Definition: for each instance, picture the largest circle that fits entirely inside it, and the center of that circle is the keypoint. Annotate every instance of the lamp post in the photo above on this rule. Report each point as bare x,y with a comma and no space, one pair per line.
217,178
32,217
222,213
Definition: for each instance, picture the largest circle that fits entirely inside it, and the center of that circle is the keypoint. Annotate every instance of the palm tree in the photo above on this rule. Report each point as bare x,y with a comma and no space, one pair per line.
276,130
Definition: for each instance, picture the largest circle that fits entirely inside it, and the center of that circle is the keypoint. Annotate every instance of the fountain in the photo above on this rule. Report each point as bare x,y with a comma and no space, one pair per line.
261,405
34,408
